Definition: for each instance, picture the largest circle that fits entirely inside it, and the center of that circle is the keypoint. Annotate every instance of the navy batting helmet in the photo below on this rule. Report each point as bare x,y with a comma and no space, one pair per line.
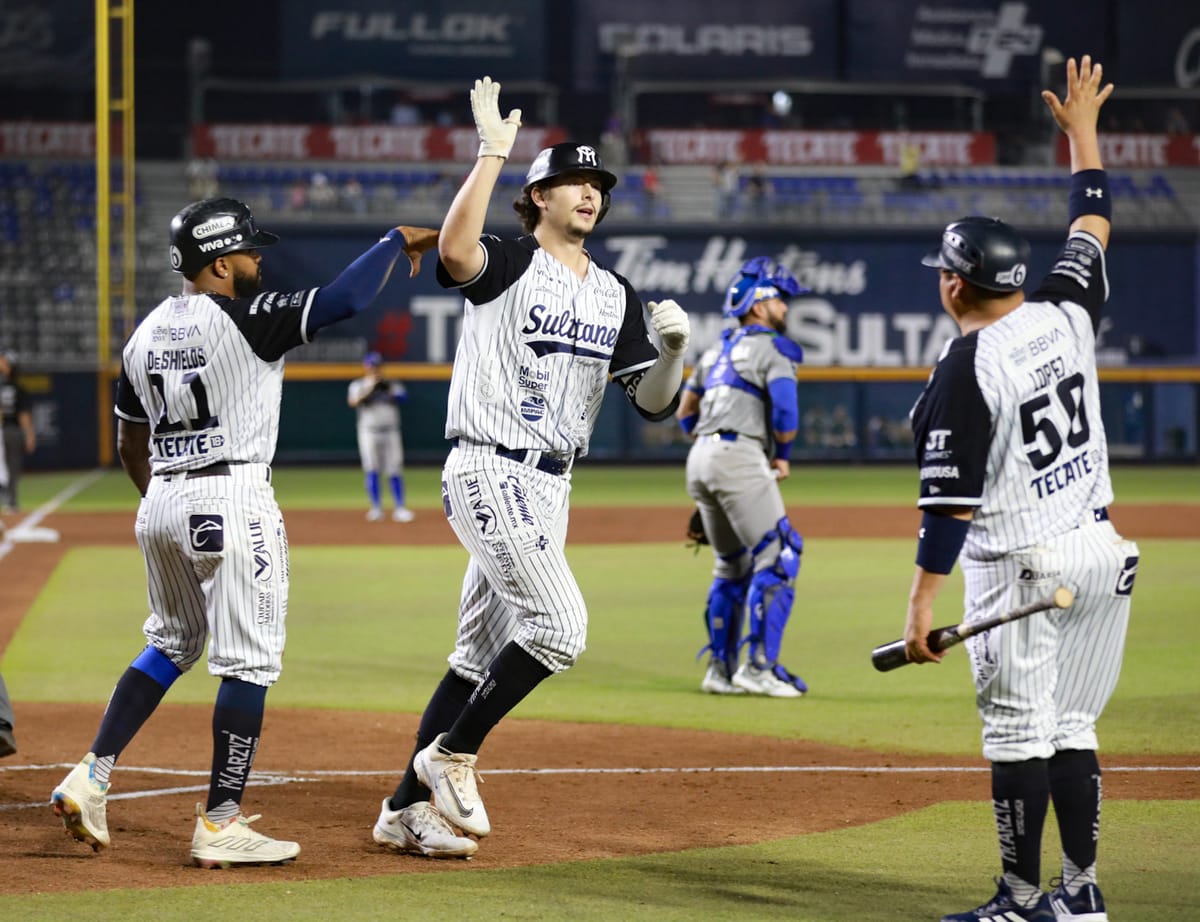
984,251
758,280
572,157
210,228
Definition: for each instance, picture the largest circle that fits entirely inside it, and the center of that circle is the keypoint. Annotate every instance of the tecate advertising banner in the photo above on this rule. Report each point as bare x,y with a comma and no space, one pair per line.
417,40
990,44
870,301
705,39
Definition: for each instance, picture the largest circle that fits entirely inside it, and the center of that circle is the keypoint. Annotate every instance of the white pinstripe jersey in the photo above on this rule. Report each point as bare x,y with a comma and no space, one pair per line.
206,372
538,344
1009,421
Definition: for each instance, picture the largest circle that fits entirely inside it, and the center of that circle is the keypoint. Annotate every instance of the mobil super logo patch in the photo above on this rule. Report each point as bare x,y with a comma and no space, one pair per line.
533,407
207,533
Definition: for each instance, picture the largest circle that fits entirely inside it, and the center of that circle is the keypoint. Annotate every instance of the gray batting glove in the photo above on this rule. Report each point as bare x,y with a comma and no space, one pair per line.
496,135
671,324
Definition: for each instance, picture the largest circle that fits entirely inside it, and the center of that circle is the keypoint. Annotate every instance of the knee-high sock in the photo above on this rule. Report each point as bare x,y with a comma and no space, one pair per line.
137,694
372,479
397,484
1076,790
447,702
236,727
512,675
1020,798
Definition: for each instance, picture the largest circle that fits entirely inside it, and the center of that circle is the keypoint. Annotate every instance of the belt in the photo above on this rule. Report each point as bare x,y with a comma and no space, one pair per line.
543,462
1101,514
725,435
217,469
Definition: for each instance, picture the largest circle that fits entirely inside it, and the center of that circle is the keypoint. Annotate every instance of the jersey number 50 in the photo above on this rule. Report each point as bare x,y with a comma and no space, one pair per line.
1036,420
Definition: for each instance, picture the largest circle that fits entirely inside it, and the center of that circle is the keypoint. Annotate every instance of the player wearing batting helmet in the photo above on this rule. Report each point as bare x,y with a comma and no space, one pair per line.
740,405
545,328
198,404
1015,486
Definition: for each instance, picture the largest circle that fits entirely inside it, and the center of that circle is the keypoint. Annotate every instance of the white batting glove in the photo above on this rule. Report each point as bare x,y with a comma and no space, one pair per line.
496,135
671,324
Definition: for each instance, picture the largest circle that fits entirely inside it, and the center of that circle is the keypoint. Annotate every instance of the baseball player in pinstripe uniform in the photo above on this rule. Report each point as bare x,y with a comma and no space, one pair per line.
544,328
380,443
198,417
740,406
1014,475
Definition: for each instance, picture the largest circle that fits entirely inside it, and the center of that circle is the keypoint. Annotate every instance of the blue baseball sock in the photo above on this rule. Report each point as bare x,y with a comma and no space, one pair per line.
137,694
397,483
236,727
373,488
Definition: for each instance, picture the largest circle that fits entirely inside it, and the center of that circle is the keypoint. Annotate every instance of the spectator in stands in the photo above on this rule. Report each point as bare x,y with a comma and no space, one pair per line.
725,181
322,196
298,194
202,178
757,193
353,196
404,111
653,203
613,147
19,437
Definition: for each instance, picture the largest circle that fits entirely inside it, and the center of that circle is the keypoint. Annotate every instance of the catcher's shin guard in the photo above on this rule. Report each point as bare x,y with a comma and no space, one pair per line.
723,617
771,595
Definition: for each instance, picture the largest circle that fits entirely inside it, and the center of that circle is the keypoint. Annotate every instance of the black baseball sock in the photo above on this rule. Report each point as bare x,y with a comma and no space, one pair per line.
236,727
512,675
1076,790
138,692
443,709
1020,798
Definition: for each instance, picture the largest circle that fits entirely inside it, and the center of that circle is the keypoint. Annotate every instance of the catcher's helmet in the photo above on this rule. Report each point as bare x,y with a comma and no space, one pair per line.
984,251
571,157
210,228
758,280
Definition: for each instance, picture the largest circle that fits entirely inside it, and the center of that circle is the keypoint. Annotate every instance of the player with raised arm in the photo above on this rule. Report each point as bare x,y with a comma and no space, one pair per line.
1014,477
198,417
545,327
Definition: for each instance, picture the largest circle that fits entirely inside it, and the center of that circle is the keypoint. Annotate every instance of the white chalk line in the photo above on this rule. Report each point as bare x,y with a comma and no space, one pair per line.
272,778
28,529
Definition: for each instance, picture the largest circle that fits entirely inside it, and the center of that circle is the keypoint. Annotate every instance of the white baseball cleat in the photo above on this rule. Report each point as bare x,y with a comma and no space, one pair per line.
80,802
419,829
374,514
403,514
716,680
235,843
451,777
764,682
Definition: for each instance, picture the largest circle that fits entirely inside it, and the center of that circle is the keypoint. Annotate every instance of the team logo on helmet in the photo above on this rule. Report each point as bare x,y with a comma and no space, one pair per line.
586,154
176,258
1014,276
217,225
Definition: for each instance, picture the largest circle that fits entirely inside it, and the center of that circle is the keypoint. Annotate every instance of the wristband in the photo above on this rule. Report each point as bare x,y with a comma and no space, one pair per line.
688,423
1089,195
940,539
783,450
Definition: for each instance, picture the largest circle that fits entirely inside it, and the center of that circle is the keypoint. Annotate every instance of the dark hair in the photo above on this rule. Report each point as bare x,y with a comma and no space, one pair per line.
527,211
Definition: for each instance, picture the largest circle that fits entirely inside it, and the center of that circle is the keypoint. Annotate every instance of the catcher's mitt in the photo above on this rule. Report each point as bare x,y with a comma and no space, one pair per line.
695,532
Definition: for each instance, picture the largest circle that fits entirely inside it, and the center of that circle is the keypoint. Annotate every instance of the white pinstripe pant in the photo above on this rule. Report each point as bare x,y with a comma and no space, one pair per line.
512,519
216,558
1042,682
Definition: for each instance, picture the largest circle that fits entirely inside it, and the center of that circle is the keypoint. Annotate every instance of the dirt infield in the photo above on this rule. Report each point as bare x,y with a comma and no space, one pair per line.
326,771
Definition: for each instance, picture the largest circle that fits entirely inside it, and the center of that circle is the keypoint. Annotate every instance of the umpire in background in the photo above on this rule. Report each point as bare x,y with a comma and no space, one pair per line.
1014,474
20,439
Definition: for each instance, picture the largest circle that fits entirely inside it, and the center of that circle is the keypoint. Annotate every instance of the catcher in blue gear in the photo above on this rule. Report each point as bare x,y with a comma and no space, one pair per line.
740,406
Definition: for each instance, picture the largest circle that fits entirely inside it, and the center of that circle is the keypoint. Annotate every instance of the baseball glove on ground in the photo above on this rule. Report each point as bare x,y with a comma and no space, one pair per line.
695,532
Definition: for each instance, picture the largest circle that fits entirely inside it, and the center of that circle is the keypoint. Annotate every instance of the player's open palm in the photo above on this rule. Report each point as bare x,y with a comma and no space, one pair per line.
1084,95
496,135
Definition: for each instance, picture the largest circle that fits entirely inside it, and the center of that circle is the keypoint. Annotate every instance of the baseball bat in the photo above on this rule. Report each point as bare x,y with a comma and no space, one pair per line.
892,656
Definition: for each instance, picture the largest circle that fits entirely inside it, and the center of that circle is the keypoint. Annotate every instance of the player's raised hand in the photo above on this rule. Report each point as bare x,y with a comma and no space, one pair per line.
1081,107
496,135
417,242
671,324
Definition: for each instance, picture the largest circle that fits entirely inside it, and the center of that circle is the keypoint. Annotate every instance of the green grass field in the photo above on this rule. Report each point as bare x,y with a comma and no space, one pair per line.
640,668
